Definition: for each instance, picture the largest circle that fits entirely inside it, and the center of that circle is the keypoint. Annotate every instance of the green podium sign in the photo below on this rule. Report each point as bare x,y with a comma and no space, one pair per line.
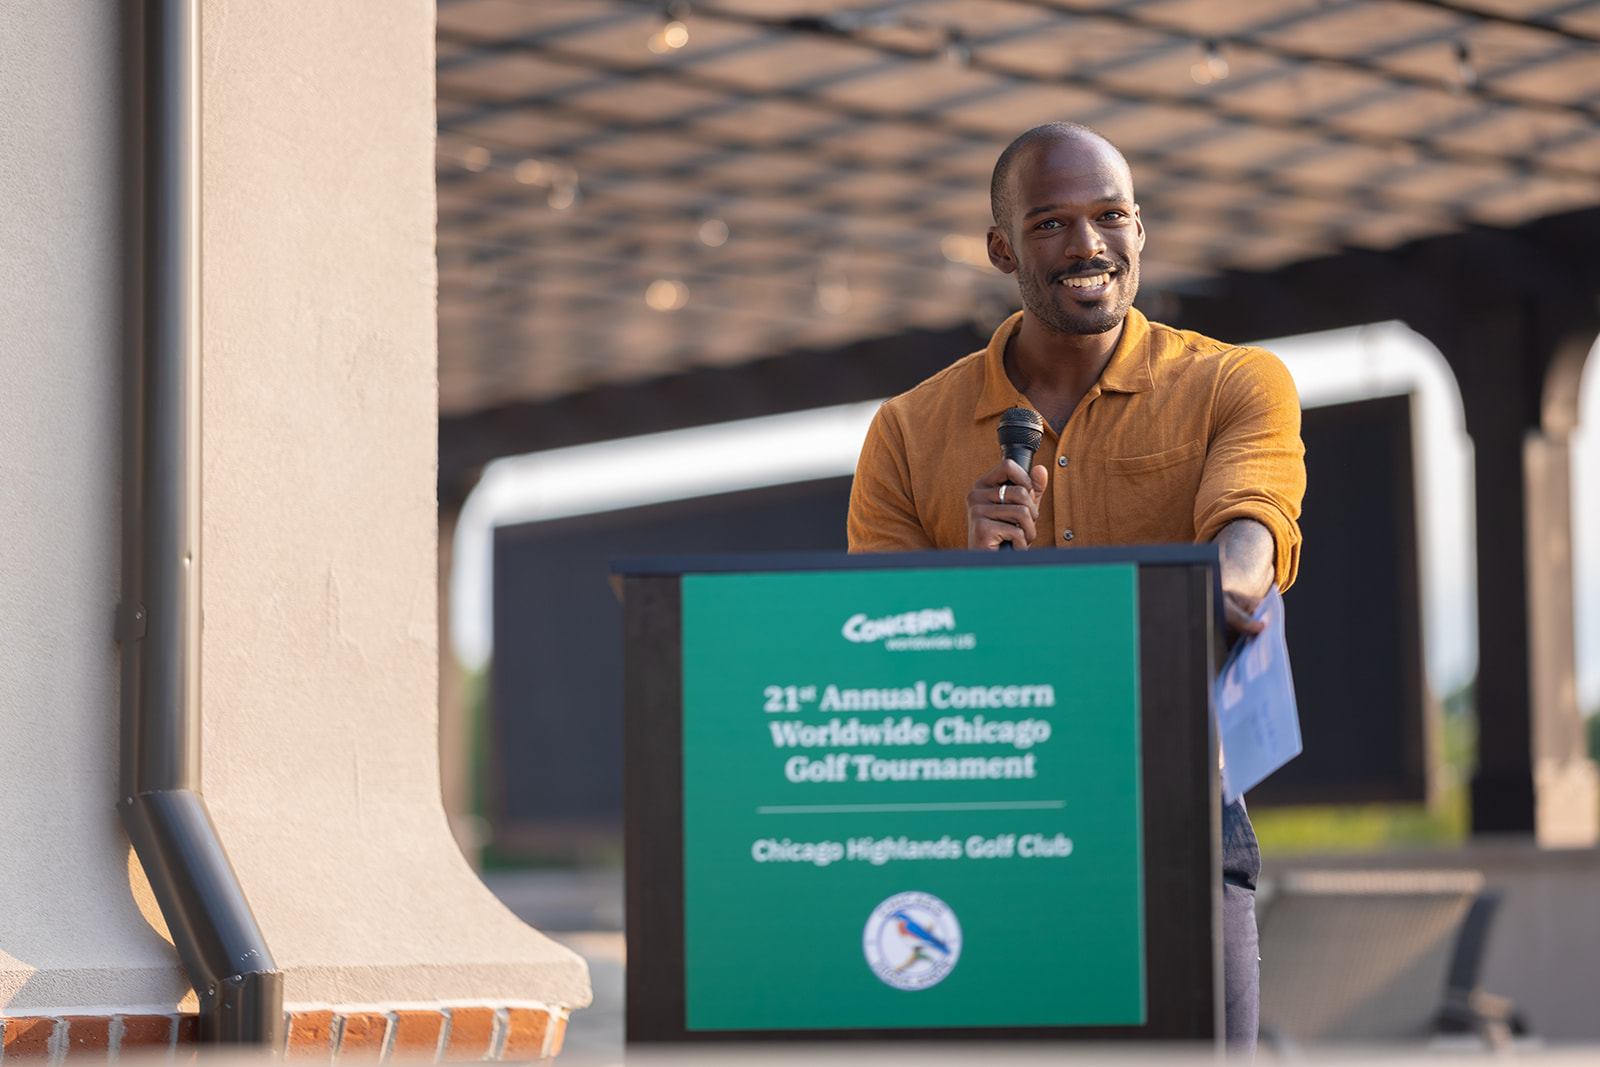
911,799
933,794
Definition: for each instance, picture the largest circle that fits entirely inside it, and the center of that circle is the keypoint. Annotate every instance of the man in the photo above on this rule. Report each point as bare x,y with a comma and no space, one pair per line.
1151,434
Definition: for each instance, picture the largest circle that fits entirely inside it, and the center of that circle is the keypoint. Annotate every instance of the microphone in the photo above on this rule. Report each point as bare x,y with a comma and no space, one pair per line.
1021,434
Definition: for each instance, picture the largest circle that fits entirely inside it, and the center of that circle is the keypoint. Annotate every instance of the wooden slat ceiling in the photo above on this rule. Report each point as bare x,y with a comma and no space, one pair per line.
775,175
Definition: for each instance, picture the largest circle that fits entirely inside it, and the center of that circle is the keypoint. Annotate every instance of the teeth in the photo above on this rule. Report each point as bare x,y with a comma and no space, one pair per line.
1089,283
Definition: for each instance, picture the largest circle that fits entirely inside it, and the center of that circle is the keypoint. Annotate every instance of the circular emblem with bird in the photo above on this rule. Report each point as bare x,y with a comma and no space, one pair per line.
912,940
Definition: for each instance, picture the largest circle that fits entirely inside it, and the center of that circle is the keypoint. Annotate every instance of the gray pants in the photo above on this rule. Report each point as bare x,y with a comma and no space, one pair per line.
1241,967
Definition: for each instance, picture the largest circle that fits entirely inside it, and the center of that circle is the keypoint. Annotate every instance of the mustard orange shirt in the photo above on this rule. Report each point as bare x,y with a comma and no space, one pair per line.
1180,436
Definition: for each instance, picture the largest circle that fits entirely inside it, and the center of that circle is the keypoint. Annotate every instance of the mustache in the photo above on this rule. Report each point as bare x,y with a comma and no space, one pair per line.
1088,268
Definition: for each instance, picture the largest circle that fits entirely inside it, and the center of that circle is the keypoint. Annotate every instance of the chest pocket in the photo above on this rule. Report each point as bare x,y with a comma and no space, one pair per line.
1150,499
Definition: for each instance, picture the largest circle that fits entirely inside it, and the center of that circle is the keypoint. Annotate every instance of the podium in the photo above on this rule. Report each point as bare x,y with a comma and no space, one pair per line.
941,794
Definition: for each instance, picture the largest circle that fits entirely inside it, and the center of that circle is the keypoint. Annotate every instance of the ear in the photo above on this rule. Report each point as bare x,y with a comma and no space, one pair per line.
1000,252
1137,221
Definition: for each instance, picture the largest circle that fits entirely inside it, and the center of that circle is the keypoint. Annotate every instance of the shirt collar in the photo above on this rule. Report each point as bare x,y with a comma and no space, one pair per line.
1128,372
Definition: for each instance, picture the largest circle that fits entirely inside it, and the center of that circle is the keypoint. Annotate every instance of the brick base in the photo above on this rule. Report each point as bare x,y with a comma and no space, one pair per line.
445,1035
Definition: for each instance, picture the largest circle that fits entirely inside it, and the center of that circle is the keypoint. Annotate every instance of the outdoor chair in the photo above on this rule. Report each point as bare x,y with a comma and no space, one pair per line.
1377,957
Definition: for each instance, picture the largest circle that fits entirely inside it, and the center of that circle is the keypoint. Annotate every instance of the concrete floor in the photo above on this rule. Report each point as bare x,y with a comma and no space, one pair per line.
594,1035
582,909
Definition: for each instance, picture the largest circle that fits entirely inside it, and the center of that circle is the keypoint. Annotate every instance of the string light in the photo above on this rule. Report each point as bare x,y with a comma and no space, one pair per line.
713,233
833,292
533,172
1464,68
1212,66
956,51
669,38
665,294
966,249
476,158
560,179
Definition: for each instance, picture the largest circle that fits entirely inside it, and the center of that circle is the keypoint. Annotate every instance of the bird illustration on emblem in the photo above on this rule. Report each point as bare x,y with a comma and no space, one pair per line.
921,938
911,940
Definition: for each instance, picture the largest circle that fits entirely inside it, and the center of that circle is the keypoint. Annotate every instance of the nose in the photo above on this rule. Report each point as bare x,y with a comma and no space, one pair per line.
1084,241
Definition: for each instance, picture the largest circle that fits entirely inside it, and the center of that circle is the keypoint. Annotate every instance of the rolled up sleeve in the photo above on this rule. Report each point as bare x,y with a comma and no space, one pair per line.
1255,463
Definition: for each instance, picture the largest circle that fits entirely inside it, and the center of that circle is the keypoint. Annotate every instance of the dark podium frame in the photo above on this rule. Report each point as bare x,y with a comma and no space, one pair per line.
1180,650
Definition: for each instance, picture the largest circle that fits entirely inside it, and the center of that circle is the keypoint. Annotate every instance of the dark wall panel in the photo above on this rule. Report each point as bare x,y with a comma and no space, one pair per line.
556,754
1354,617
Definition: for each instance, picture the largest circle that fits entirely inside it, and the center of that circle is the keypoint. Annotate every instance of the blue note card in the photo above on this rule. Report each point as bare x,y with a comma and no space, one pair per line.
1257,721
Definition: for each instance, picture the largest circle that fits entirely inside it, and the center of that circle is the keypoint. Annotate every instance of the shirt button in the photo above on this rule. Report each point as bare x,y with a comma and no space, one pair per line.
1061,461
1066,535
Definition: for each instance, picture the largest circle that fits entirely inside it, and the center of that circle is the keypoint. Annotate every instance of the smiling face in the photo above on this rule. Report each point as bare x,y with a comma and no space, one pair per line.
1071,234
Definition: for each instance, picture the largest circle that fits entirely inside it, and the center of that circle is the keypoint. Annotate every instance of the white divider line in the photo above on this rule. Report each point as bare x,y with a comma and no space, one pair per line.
852,809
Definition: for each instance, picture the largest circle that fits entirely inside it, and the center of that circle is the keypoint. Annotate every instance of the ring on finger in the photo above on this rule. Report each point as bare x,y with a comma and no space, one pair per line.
1002,494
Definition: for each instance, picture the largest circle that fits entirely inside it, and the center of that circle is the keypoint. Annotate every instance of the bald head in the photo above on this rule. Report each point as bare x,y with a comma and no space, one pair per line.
1051,133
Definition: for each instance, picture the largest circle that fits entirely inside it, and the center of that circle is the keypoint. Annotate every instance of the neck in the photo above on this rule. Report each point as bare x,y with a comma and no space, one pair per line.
1054,370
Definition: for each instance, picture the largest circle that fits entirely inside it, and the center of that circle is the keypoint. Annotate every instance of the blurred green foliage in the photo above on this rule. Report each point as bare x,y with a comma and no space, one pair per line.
477,700
1369,827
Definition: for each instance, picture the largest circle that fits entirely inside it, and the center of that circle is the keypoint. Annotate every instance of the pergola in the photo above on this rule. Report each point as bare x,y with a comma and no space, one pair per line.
654,215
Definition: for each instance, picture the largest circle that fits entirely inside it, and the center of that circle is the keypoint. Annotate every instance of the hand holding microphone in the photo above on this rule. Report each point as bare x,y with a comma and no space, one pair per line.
1003,506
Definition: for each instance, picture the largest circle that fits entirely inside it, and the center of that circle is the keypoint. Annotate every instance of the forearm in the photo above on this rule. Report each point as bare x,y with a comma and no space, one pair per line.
1255,469
1249,558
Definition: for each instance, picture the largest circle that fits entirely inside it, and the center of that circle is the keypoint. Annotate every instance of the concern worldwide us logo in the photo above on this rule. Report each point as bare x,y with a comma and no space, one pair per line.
923,630
912,941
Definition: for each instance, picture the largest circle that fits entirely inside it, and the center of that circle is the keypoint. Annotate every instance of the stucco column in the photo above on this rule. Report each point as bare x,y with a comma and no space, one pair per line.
71,935
1533,776
319,557
1565,780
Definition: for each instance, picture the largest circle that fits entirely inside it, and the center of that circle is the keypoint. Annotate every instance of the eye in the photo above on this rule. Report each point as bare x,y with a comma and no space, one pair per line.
1049,224
1115,215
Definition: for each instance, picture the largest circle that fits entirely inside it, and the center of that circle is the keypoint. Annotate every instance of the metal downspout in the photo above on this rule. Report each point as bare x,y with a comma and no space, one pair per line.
226,958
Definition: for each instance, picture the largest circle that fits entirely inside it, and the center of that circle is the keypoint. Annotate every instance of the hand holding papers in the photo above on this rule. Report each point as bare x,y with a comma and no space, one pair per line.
1257,721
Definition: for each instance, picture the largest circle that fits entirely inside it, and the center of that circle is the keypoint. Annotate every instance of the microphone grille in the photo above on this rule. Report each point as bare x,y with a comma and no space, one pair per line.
1022,426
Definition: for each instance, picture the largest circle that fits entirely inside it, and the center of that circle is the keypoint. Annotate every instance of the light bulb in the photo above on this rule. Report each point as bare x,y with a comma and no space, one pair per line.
713,233
666,295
